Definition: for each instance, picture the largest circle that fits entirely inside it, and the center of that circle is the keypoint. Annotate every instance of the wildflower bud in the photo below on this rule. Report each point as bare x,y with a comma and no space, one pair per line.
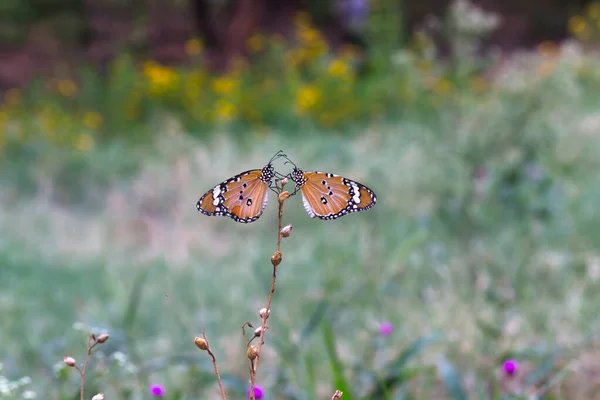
252,352
103,338
276,258
283,196
200,343
264,311
286,230
284,181
258,330
93,337
99,396
70,361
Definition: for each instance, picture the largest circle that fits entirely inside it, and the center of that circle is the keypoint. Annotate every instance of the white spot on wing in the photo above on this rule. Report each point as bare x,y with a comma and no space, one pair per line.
216,201
216,192
307,207
265,201
356,197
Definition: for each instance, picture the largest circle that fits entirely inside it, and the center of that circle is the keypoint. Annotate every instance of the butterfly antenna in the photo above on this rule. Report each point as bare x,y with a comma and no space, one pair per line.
289,162
277,155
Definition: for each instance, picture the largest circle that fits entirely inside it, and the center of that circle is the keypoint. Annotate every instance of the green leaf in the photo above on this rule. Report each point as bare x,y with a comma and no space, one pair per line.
451,379
314,320
543,370
135,298
488,329
337,368
398,373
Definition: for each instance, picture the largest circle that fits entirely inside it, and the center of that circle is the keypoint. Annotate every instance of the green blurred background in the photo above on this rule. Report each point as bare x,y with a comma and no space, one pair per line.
477,125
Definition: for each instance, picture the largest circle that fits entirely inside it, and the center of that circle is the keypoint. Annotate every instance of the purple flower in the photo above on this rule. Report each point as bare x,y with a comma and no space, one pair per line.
534,172
258,392
482,173
156,390
386,328
511,367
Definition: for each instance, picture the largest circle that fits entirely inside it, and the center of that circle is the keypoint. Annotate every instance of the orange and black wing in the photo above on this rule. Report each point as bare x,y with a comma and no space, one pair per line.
242,197
328,196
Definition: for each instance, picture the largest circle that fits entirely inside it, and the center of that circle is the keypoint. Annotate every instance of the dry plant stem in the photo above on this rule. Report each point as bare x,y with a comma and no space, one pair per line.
92,341
214,361
254,367
250,362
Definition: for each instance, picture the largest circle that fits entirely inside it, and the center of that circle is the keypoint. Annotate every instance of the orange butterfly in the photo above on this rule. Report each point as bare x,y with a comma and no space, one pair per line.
242,197
328,196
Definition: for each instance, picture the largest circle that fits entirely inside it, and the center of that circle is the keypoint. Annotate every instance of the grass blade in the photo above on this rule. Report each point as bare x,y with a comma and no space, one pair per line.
397,368
337,368
451,379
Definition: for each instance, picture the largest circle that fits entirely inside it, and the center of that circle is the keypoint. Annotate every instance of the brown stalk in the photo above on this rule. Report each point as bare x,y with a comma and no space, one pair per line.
92,342
214,361
275,260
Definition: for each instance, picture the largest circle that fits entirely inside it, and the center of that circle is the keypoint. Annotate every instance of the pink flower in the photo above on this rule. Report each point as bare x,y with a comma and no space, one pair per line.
258,392
511,367
156,390
386,328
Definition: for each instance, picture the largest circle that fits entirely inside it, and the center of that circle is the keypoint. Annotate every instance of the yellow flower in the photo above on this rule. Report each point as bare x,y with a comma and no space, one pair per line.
161,78
337,68
223,85
84,142
442,86
92,119
424,65
309,36
13,97
577,25
225,110
67,87
593,10
193,47
255,43
307,97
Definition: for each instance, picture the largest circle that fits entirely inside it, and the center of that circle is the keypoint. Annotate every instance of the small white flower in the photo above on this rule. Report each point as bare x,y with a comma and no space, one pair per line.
29,394
131,369
26,380
58,367
4,389
119,357
80,326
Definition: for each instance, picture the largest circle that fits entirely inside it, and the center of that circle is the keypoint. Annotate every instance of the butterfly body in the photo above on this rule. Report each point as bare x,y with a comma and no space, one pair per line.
242,197
328,196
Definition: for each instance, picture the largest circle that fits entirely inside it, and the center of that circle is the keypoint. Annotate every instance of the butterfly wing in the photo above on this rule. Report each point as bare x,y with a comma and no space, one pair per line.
328,196
242,197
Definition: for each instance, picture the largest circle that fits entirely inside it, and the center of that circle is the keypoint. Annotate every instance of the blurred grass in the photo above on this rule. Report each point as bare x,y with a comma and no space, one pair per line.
447,250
